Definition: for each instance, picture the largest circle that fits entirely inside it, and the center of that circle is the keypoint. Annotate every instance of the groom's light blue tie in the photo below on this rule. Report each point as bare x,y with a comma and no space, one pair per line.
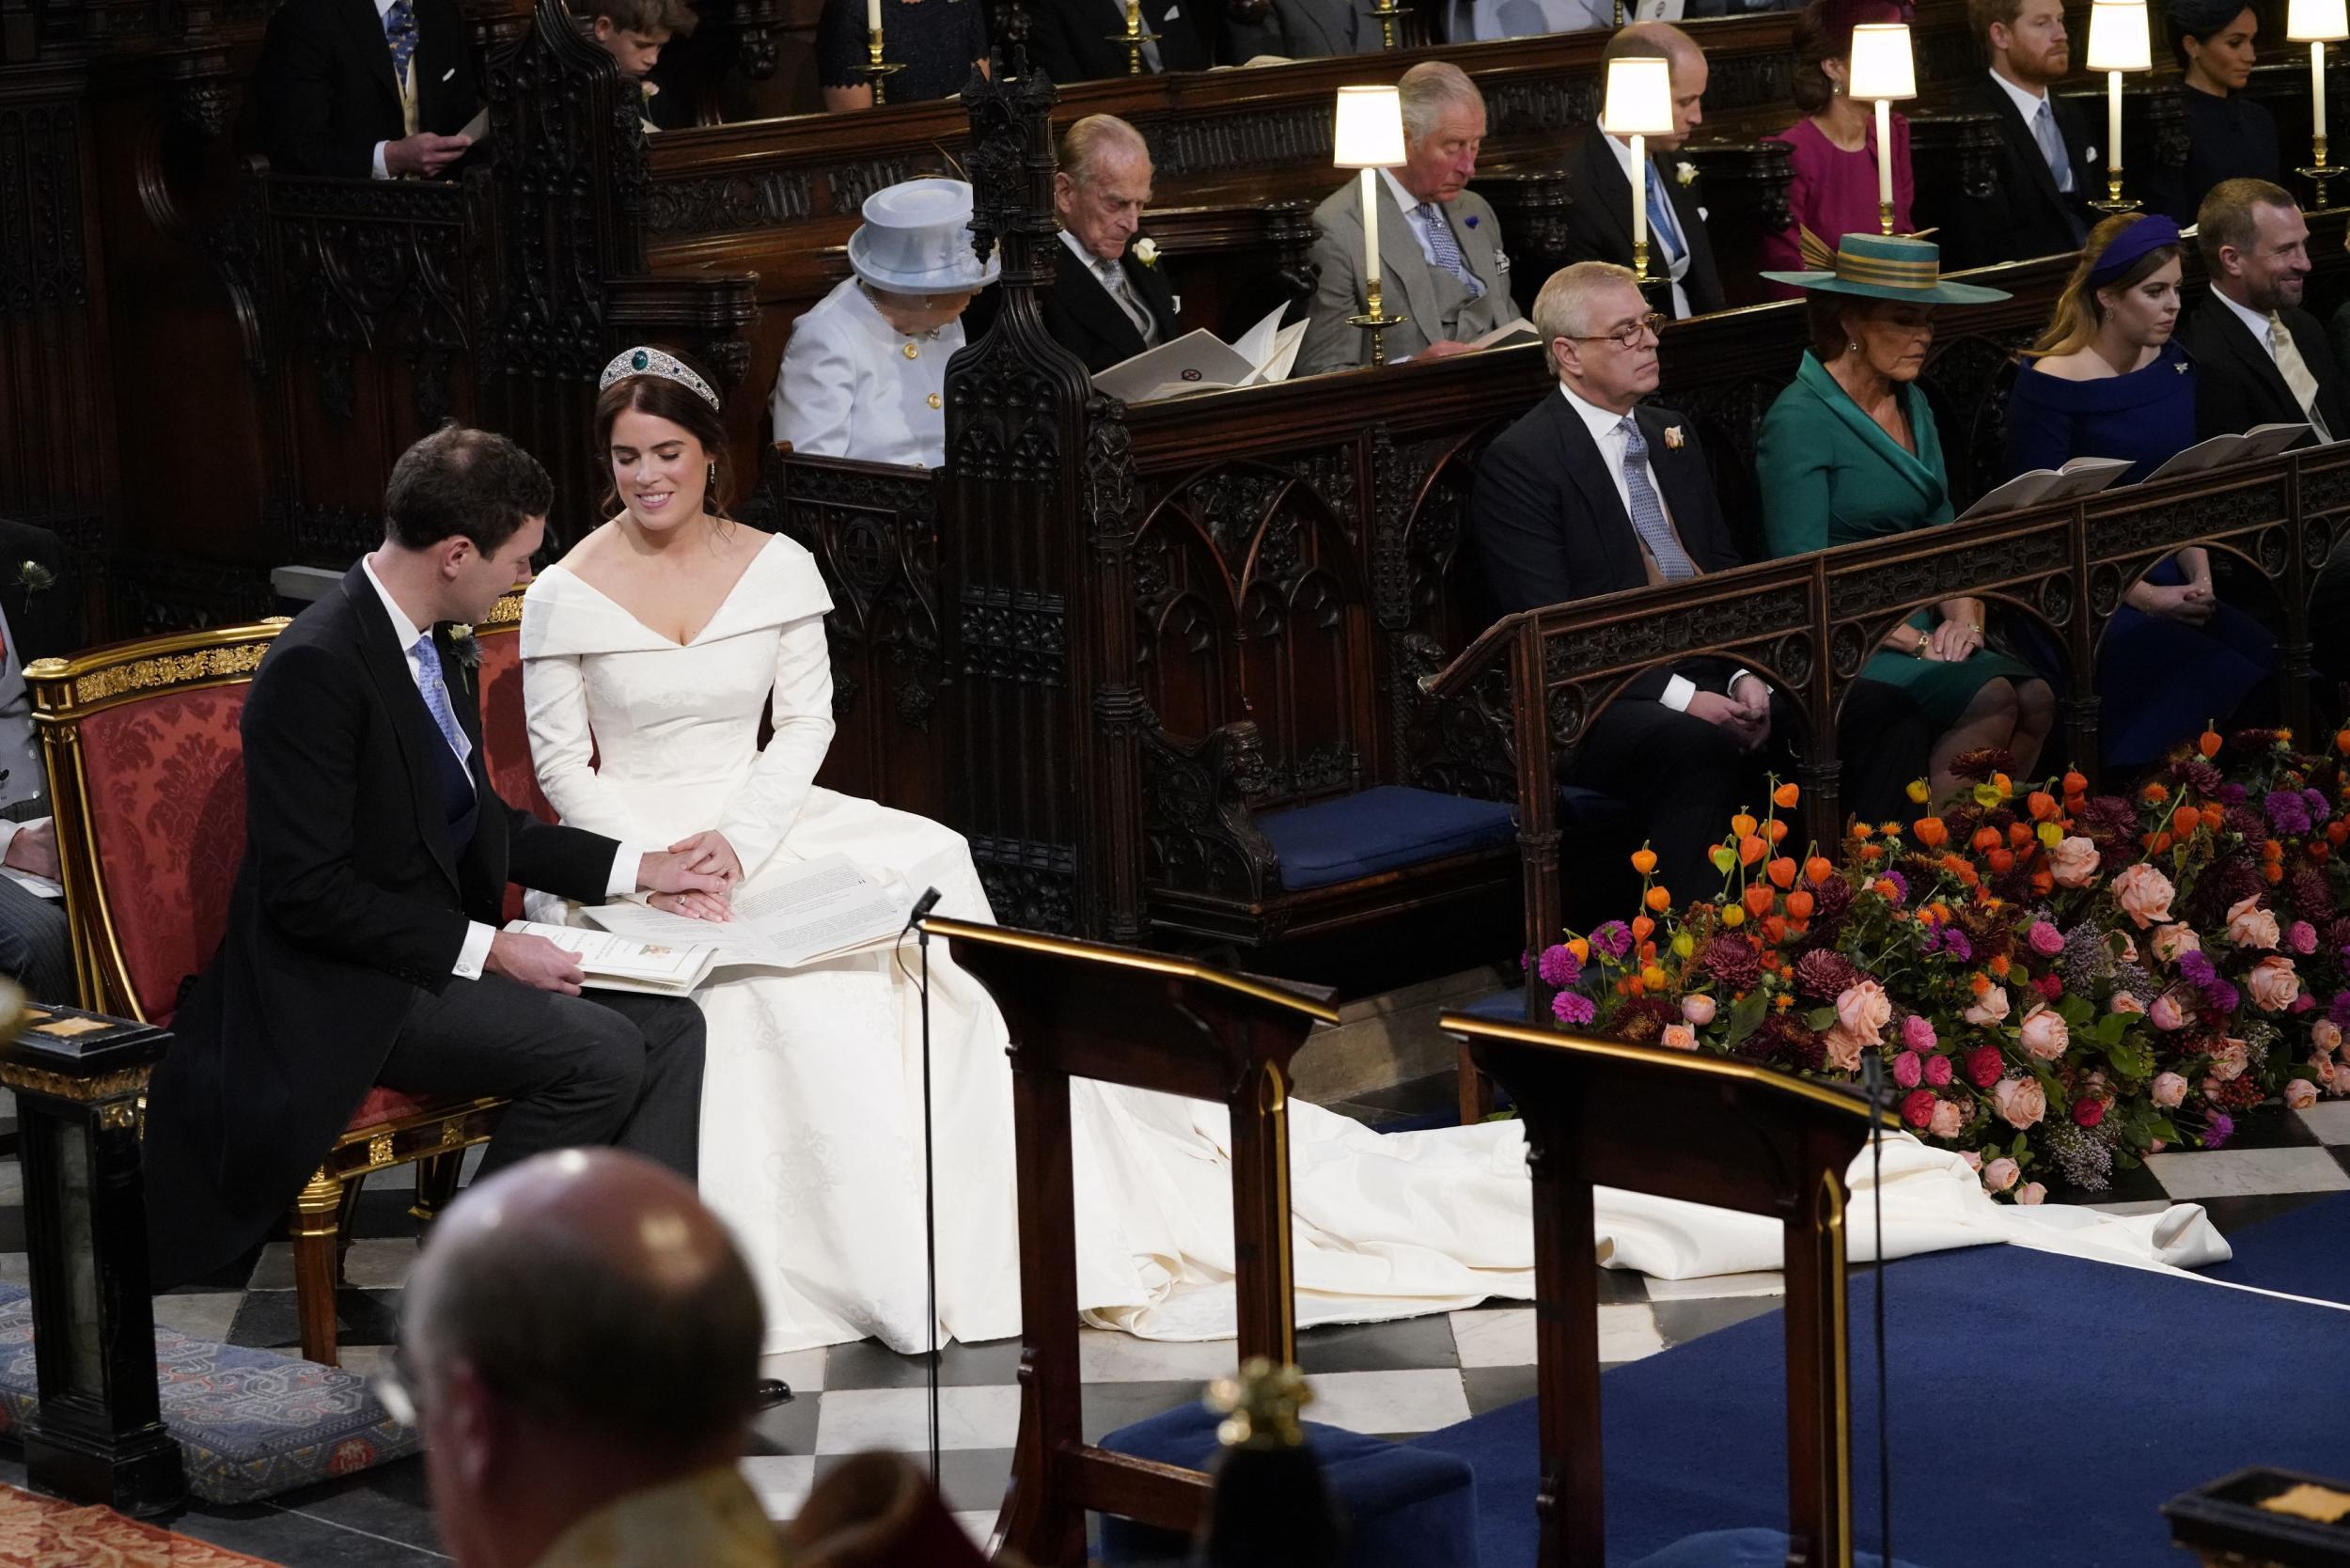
435,693
1648,513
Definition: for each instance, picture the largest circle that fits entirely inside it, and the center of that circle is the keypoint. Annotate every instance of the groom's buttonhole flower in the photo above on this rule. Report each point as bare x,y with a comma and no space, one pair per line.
33,577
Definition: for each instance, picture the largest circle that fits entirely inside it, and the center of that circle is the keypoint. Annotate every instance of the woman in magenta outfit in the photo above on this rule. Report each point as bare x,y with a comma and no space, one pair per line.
1834,189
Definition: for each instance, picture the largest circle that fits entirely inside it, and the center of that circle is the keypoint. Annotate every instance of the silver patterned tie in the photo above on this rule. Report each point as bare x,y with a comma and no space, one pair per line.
1648,513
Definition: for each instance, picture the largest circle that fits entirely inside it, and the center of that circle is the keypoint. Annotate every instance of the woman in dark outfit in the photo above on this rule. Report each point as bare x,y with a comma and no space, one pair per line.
937,41
2229,135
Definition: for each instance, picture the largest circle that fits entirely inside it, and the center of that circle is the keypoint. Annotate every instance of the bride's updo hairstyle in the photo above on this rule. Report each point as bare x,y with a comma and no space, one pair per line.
667,398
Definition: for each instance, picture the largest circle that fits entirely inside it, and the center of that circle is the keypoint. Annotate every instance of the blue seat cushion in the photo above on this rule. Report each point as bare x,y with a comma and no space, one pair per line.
250,1423
1384,828
1582,810
1404,1507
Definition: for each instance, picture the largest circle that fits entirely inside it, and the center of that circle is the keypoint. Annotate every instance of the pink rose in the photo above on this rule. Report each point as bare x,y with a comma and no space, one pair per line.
1907,1070
2273,983
1863,1012
1989,1008
1974,1161
2169,942
2125,1004
1679,1037
2229,1062
2325,1035
2045,939
1698,1008
2000,1174
2168,1090
1918,1033
2020,1102
1949,1118
2250,925
2301,937
1918,1107
2156,1145
2300,1094
2168,1013
2073,862
2032,1192
1843,1049
2143,893
2043,1035
1937,1071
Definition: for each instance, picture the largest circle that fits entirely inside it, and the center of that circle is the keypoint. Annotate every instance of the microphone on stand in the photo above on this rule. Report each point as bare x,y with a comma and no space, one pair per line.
922,907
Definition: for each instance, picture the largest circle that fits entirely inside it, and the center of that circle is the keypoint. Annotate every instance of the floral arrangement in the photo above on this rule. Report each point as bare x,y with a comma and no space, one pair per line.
2055,984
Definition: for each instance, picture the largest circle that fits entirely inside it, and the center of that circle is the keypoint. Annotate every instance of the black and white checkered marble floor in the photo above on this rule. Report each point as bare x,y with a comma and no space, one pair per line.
1392,1379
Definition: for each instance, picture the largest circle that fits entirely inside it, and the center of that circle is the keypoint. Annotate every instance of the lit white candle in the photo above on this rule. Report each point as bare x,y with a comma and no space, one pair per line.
2317,86
872,17
1639,191
1370,226
2113,120
1885,153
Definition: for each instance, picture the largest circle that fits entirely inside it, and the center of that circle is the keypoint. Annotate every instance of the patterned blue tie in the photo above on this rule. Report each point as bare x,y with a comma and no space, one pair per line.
1648,513
435,693
400,31
1660,215
2045,131
1444,247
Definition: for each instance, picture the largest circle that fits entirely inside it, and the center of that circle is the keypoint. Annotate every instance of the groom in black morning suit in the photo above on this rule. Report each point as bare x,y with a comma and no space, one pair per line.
363,945
1595,493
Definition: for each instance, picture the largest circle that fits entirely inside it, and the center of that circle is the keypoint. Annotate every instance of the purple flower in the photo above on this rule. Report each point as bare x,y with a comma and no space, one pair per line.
2338,1010
2318,809
2045,939
2222,1128
1560,967
2287,811
2219,997
1954,943
2232,793
1572,1008
1614,939
2196,966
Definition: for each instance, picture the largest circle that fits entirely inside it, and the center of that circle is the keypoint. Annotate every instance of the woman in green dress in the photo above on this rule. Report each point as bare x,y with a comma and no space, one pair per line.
1849,452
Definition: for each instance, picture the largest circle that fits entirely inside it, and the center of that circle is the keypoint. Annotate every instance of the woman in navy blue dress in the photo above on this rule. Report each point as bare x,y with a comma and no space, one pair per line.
2105,380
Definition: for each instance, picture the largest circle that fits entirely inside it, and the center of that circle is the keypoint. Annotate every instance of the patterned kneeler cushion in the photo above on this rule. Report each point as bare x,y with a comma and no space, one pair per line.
251,1423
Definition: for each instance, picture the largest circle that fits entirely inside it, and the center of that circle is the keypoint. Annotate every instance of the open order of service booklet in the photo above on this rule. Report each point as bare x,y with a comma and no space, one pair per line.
614,963
1199,361
2083,476
2259,441
821,909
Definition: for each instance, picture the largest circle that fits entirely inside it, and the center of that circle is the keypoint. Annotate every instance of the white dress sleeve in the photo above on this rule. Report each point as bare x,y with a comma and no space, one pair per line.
555,706
762,810
815,389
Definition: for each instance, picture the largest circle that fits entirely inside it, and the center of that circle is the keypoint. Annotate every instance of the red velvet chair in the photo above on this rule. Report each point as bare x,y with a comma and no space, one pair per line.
147,780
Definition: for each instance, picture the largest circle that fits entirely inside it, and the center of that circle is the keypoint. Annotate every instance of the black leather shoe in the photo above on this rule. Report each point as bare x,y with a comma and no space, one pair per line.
768,1392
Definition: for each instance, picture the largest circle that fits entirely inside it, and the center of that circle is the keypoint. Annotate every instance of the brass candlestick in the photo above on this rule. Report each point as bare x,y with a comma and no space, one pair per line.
1885,217
1134,37
2114,201
2319,172
1386,11
1375,321
1639,259
877,70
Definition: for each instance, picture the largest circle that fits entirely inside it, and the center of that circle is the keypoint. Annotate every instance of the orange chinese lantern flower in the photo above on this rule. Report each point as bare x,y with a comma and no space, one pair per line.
2336,831
2018,835
1659,899
1774,830
2162,843
1799,905
1785,796
1818,870
1581,948
2341,741
2208,743
2044,882
1742,824
1774,929
1641,927
1986,839
1930,831
2001,861
1751,848
2076,785
2320,850
1644,860
2041,804
1782,873
1758,899
1632,986
2215,817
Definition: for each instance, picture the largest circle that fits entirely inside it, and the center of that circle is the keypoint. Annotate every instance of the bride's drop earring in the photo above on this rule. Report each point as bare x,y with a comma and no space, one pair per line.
1852,348
710,480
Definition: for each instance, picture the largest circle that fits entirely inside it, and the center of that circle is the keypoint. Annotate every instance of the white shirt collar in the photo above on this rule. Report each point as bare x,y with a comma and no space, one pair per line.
2026,102
1076,248
1599,421
1404,198
382,9
1623,152
403,629
2255,323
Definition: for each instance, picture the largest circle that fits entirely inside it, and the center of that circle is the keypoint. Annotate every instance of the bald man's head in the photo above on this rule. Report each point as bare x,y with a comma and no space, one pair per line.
1662,41
590,1290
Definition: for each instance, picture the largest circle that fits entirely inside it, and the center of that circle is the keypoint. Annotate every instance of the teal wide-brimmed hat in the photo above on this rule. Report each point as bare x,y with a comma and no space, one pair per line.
1891,267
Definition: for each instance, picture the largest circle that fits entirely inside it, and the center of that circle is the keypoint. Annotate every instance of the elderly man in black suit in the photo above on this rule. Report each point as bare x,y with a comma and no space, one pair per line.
363,944
361,87
1595,492
2260,358
1599,225
1109,299
2038,204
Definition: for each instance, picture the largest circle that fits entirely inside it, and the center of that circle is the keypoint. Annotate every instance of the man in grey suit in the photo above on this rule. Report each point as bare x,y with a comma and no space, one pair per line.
1441,262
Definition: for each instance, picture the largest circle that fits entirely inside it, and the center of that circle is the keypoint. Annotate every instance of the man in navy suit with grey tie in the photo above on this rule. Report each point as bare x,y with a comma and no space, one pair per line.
366,87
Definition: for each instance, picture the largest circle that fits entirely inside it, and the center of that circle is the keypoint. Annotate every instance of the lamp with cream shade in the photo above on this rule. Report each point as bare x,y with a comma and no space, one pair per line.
2117,42
1639,105
2318,23
1883,69
1369,137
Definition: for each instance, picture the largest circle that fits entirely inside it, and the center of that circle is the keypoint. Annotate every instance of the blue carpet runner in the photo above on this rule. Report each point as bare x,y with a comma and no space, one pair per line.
2303,1251
2042,1409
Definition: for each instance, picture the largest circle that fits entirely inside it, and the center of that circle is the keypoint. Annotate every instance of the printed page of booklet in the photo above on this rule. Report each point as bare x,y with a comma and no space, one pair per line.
610,961
819,909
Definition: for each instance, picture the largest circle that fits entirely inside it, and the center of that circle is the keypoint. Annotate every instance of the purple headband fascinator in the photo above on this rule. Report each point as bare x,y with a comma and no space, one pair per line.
2149,233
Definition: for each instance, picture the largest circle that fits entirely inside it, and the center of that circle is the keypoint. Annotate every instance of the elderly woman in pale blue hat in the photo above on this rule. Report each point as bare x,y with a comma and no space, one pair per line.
865,373
1848,451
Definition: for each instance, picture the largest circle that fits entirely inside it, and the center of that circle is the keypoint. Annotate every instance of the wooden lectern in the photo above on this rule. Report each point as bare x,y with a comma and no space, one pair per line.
1078,1009
1710,1130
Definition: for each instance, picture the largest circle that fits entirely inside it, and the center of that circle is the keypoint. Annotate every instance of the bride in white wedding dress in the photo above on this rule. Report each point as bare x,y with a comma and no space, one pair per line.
649,657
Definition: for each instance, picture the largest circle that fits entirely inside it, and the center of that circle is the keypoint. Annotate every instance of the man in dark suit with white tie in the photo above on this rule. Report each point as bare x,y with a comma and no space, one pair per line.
1593,492
1109,299
2038,204
2260,358
361,87
1599,225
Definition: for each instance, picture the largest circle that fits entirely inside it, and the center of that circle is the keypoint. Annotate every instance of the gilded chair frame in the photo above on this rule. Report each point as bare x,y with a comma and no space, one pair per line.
66,691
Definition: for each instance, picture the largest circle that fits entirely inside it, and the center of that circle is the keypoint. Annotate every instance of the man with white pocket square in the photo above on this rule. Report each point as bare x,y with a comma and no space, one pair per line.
366,87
